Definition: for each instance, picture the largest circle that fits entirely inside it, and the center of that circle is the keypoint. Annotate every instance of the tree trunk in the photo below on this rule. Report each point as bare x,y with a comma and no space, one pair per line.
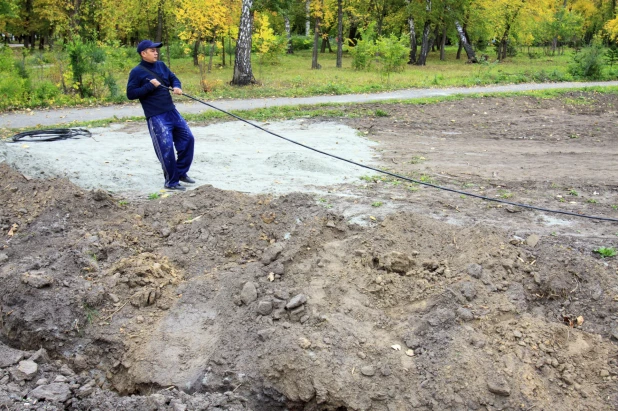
196,48
243,73
425,44
339,33
316,37
459,48
463,42
159,34
413,47
307,18
288,34
442,44
167,47
435,36
212,53
223,51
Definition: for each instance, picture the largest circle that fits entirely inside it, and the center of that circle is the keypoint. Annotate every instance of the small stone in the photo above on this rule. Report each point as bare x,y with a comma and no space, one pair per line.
498,387
475,270
361,355
386,370
85,391
37,279
248,293
468,290
282,295
9,356
66,371
533,240
465,314
615,333
368,371
26,370
185,250
604,373
3,258
304,343
266,334
165,232
296,301
61,378
55,392
265,307
517,334
139,319
42,381
114,298
271,253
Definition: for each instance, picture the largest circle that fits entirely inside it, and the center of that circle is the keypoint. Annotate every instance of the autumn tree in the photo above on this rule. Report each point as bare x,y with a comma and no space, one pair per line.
243,73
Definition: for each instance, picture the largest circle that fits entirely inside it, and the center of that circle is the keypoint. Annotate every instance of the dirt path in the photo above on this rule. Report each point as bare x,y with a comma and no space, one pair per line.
374,294
34,118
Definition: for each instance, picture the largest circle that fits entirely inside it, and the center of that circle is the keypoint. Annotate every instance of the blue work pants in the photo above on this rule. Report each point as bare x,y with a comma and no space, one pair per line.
169,132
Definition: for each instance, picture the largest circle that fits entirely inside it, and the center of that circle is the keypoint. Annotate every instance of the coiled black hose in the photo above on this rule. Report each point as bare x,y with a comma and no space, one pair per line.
51,134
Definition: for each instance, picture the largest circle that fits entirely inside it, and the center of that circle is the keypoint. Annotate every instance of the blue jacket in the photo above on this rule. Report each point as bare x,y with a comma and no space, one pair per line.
155,100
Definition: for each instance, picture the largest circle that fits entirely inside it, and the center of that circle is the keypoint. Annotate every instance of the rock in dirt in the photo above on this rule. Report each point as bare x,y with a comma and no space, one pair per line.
475,270
9,356
368,371
3,258
465,314
249,293
56,392
271,253
265,334
26,370
533,240
265,307
396,262
499,387
468,290
99,195
296,301
40,356
615,333
37,279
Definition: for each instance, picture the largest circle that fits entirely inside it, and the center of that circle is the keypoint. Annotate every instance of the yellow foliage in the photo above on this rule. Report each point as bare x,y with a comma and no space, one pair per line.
264,36
612,29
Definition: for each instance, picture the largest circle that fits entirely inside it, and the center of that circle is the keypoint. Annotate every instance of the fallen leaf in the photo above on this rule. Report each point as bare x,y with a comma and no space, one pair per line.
396,347
12,230
580,320
372,218
410,353
271,277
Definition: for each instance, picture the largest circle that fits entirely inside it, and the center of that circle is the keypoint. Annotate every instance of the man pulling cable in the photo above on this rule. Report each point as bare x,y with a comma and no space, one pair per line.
150,82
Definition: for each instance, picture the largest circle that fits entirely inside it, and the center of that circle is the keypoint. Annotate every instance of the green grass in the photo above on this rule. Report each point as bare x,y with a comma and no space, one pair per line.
377,204
326,110
293,77
154,196
606,252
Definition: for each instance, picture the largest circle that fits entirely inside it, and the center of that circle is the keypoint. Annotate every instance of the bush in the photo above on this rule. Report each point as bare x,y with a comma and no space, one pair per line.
364,52
45,93
393,54
302,43
588,63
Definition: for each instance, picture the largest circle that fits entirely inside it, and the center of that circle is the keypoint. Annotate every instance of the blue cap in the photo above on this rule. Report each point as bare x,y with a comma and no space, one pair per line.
147,44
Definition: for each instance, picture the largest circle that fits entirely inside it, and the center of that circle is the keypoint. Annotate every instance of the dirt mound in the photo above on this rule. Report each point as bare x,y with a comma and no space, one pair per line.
216,300
381,296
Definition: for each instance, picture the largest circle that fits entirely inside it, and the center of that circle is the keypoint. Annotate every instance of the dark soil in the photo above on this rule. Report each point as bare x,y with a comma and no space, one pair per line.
384,295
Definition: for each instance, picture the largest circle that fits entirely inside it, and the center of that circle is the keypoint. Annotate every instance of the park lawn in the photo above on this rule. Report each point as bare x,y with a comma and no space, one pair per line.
293,76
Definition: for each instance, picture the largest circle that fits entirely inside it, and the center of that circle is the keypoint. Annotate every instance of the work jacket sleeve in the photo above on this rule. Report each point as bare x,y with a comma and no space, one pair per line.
138,85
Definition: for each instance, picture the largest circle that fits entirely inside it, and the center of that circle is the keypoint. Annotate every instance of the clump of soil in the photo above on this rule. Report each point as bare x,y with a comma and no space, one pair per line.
213,299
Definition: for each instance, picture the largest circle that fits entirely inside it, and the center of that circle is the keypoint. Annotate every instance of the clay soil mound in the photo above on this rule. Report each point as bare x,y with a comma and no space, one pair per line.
388,297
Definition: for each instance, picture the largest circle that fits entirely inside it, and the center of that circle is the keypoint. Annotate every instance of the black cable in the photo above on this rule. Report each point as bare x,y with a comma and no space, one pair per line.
52,134
403,177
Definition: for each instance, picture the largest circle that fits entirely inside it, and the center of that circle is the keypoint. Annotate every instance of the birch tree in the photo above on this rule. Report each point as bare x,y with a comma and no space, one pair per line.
243,74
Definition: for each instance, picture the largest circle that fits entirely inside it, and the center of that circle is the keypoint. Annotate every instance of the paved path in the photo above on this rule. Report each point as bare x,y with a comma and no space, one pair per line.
62,116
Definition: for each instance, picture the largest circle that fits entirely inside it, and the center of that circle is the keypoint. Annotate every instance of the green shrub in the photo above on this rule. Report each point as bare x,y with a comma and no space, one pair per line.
302,42
588,63
393,54
45,92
